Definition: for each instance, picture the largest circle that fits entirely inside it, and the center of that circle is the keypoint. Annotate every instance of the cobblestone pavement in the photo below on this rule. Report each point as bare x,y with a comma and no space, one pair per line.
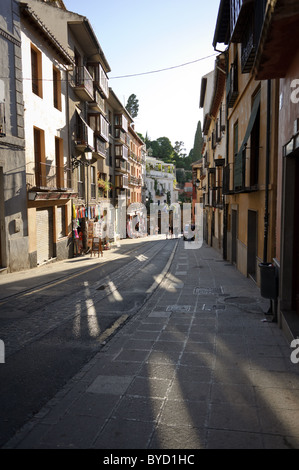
199,367
22,322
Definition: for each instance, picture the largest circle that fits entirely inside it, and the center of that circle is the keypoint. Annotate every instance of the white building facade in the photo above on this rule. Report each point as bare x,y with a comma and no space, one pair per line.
160,182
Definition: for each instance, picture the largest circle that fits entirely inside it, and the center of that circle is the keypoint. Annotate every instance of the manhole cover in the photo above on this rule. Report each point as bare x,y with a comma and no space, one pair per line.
207,291
178,308
240,300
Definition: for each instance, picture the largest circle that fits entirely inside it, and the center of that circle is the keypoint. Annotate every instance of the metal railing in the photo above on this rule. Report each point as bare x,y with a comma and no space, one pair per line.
84,79
48,176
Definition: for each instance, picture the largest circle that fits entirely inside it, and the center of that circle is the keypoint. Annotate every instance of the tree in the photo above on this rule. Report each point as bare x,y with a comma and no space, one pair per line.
180,149
162,149
198,144
132,105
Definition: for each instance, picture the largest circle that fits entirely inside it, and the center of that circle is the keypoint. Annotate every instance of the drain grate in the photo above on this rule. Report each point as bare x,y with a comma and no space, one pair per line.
178,308
240,300
207,291
103,287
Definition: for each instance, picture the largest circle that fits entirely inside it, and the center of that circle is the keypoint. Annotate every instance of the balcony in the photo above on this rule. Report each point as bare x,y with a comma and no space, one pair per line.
46,176
120,136
99,125
98,103
121,151
241,10
121,166
100,78
100,147
84,135
135,181
121,122
248,49
232,84
83,84
121,181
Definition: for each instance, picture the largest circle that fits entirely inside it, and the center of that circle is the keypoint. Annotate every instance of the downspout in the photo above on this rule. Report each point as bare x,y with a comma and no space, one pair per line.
69,159
273,300
225,205
266,219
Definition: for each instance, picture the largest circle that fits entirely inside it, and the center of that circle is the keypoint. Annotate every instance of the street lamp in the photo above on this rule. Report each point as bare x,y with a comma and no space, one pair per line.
88,154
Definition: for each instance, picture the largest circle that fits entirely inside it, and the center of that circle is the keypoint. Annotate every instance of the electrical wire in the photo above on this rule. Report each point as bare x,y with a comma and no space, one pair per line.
131,75
163,70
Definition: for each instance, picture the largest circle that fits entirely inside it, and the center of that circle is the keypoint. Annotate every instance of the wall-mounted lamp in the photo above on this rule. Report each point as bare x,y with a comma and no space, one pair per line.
86,160
88,154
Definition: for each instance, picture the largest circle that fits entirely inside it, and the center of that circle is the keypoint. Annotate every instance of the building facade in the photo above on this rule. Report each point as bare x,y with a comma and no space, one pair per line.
160,182
277,58
214,131
136,156
76,122
13,207
251,156
48,163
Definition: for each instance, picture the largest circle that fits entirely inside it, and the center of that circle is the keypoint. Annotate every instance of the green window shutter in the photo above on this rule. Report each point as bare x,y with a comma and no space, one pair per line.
240,157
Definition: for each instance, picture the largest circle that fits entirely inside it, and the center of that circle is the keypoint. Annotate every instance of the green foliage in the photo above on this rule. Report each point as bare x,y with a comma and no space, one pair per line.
132,105
198,143
162,149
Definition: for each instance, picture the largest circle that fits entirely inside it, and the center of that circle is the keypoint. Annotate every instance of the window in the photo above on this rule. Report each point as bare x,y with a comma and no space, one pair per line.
93,182
36,71
57,88
236,149
59,162
39,157
255,151
81,182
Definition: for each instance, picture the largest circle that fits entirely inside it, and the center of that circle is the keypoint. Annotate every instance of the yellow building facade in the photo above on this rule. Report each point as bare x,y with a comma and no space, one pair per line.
250,172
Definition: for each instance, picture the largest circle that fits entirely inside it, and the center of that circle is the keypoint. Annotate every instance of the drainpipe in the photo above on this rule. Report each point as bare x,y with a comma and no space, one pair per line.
273,300
266,225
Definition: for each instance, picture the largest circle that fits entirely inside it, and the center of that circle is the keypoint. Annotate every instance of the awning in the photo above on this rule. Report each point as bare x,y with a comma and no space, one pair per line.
238,168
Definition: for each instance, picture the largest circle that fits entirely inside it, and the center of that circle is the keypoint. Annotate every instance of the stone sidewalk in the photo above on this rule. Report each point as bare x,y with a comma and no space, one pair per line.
199,367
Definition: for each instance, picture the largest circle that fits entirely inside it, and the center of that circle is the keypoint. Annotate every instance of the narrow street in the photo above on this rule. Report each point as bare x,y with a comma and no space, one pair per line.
57,321
171,348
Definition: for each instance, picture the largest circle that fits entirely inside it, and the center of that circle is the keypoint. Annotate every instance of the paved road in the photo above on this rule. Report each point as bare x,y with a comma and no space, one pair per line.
54,319
199,366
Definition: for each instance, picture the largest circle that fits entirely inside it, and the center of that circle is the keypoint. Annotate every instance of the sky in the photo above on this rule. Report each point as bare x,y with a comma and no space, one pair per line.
141,36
